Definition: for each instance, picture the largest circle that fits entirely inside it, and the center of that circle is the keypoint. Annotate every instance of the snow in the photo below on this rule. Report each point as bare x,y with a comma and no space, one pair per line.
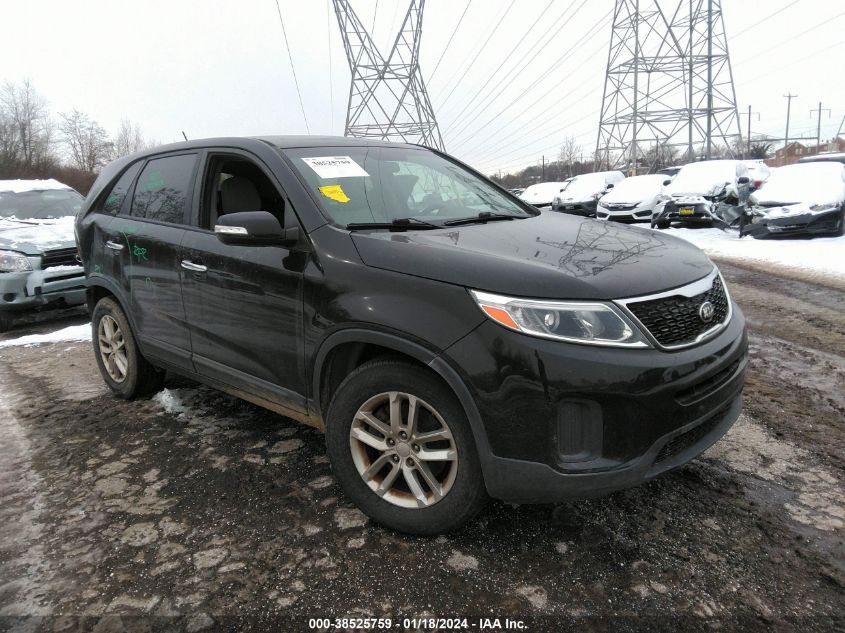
818,255
811,183
589,184
22,186
62,269
636,189
170,401
72,333
45,234
706,177
542,192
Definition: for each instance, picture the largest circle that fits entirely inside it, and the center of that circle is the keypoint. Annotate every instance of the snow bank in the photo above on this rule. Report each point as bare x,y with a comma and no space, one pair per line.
72,333
818,255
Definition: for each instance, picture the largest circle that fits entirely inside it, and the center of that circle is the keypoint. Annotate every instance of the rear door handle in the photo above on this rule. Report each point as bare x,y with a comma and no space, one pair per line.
197,268
115,246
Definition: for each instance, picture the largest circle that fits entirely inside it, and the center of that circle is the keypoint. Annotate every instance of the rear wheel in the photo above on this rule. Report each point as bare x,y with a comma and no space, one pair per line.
402,450
126,372
6,321
663,224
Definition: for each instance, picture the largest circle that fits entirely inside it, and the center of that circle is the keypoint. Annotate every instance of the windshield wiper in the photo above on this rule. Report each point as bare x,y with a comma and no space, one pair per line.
484,216
399,224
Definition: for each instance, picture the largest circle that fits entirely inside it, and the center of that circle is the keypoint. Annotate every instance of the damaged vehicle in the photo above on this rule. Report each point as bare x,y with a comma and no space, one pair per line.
801,199
708,192
38,264
634,199
581,194
453,342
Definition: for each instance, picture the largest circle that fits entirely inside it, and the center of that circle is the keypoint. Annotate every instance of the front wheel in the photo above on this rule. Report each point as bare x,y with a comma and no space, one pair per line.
126,372
402,449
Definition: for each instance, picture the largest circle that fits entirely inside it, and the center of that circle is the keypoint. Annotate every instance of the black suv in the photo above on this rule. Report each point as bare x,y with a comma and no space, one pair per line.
453,341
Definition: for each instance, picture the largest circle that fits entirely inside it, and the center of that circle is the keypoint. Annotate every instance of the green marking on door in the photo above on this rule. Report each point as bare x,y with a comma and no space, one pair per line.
154,182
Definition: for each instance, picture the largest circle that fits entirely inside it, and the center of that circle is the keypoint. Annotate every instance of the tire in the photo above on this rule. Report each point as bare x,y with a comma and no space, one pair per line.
368,393
129,374
662,225
841,231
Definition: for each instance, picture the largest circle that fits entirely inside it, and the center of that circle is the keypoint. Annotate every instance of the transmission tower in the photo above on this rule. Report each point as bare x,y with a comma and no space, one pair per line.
668,86
387,97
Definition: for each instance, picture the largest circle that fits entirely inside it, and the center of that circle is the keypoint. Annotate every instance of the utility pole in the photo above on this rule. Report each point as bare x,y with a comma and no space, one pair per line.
543,159
841,125
789,97
749,128
636,85
819,129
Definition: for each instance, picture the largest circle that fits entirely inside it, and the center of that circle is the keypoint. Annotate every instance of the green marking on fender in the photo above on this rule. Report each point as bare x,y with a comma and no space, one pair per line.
98,268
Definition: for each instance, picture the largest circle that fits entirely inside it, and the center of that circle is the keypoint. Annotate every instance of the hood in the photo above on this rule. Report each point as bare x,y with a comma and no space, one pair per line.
541,193
33,237
813,184
635,189
550,256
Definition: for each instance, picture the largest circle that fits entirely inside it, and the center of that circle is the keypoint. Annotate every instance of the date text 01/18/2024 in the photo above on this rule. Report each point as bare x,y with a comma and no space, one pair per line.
417,624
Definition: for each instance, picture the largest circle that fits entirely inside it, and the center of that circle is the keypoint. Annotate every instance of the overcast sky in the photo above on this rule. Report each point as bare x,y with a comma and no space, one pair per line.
214,67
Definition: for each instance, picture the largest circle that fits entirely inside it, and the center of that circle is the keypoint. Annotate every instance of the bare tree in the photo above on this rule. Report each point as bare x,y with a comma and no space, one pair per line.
87,142
129,139
25,127
569,152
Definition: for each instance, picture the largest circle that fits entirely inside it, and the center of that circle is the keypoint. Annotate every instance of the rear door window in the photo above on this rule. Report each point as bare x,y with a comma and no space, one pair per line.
114,201
161,192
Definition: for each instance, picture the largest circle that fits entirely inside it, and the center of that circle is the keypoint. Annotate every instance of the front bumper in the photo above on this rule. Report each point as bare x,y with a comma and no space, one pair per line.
567,421
674,212
38,288
628,214
828,223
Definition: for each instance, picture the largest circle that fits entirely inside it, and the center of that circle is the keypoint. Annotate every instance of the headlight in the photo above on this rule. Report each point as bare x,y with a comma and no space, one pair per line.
830,206
589,322
556,200
13,262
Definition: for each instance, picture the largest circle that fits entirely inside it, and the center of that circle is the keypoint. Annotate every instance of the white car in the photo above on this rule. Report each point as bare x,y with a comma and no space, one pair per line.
758,172
542,194
634,199
581,194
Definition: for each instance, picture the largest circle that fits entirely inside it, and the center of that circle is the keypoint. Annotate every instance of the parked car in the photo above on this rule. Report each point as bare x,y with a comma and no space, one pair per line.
38,265
581,194
800,199
704,192
542,194
450,350
634,199
516,191
830,157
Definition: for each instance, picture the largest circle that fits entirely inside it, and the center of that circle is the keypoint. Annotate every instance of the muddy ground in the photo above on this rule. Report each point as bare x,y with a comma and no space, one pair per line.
193,510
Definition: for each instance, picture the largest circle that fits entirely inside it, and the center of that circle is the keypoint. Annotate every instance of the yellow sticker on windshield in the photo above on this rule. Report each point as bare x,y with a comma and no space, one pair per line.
334,192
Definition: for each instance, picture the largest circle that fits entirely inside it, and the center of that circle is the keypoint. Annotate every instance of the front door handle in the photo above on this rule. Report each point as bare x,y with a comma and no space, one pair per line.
197,268
115,246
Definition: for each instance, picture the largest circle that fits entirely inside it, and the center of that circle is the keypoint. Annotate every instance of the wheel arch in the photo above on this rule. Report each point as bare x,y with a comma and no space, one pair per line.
353,347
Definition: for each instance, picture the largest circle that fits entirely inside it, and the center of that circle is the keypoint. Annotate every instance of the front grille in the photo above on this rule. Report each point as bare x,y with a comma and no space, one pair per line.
674,320
59,257
682,442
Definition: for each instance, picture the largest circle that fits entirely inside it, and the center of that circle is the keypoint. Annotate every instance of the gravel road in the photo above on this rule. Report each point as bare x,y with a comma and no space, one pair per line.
195,511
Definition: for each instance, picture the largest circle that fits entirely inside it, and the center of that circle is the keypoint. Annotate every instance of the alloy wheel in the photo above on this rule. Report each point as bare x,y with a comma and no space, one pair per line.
112,348
403,449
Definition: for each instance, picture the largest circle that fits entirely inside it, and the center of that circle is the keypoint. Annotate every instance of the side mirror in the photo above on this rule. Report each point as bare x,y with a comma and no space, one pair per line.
744,180
609,186
254,228
667,182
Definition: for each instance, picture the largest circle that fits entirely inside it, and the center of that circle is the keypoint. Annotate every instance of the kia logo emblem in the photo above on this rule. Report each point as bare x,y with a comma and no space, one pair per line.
706,311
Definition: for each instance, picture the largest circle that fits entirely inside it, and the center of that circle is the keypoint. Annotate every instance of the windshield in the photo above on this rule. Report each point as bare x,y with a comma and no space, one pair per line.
362,185
814,183
39,205
706,177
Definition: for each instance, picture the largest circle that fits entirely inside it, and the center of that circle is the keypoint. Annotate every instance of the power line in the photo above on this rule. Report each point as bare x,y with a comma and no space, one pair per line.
480,50
329,40
488,83
293,69
451,37
549,70
771,15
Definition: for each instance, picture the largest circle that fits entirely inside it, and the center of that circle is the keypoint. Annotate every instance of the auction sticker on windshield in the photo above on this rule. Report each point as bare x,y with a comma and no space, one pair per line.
335,167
